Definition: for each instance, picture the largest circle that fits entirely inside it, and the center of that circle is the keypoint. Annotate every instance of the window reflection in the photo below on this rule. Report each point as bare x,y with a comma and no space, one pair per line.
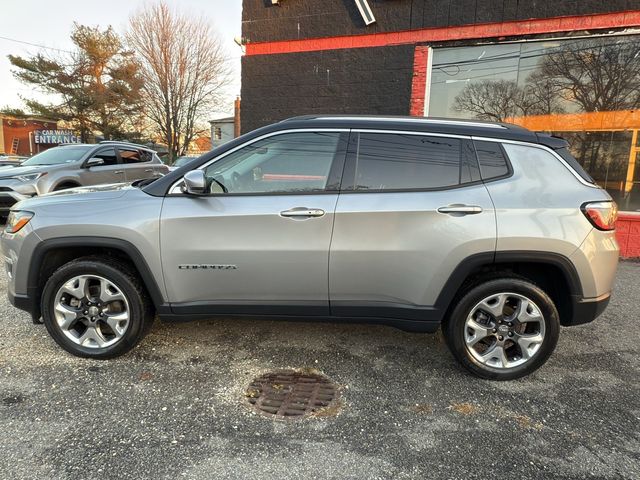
585,90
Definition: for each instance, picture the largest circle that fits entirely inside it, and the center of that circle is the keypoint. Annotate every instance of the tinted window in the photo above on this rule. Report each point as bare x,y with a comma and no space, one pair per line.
492,160
397,162
134,156
291,162
108,155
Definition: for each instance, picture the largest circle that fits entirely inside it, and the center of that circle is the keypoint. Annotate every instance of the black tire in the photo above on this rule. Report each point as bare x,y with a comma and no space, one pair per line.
141,314
454,327
64,186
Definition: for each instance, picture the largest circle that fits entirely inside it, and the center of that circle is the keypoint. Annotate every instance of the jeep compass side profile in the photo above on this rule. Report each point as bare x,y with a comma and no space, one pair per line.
489,231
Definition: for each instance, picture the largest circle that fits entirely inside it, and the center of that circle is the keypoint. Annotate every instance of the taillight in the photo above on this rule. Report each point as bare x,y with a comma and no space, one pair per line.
602,215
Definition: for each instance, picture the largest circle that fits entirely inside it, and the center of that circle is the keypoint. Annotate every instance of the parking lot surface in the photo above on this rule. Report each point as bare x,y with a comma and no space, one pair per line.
176,406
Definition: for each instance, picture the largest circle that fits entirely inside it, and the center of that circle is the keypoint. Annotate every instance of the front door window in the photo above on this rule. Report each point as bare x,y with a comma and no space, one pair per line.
288,163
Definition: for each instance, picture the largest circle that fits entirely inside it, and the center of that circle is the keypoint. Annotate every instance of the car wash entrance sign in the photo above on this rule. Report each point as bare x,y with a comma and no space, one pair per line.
55,137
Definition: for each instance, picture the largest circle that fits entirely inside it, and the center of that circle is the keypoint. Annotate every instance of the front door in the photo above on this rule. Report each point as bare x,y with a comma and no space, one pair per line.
258,243
412,209
110,171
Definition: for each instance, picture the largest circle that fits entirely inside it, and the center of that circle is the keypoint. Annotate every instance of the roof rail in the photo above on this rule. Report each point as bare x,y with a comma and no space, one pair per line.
122,142
399,118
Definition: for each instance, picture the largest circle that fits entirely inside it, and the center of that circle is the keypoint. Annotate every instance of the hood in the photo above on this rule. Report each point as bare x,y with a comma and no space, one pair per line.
10,171
98,192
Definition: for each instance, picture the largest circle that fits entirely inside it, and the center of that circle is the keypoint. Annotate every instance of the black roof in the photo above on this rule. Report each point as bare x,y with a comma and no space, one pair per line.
451,126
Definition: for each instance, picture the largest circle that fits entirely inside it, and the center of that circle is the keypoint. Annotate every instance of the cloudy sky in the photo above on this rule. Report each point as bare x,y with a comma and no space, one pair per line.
49,24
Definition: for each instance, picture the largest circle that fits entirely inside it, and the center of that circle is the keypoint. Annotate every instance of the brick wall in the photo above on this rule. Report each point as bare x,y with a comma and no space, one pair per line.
17,128
387,75
374,81
296,19
628,234
419,81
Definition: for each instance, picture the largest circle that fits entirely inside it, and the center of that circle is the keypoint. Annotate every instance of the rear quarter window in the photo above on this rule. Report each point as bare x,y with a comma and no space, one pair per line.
492,160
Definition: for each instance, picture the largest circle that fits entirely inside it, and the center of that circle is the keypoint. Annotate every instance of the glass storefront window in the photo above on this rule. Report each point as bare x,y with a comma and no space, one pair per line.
585,90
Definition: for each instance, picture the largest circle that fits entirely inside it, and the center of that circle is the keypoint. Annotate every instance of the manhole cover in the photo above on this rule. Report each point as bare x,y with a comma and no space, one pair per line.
291,394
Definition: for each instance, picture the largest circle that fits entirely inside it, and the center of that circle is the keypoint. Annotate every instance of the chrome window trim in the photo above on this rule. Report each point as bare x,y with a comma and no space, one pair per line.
541,147
411,132
175,188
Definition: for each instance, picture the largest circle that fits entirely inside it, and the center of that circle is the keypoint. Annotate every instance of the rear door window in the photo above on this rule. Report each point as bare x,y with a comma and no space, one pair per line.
394,161
131,155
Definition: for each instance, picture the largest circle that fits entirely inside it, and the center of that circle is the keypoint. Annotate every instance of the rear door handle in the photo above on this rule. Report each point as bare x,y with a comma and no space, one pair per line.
118,171
461,209
149,170
303,212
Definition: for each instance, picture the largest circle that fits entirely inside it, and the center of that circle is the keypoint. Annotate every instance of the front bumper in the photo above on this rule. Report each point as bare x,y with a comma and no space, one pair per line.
28,303
586,310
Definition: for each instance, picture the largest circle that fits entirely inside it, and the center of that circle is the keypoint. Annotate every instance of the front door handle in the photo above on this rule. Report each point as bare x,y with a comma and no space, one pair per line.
303,212
118,171
461,209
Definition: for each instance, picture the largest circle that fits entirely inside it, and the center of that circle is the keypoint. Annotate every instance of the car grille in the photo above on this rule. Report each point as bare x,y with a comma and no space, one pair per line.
6,202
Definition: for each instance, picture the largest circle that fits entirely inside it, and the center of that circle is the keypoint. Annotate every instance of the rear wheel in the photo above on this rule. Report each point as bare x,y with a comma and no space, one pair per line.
96,307
503,329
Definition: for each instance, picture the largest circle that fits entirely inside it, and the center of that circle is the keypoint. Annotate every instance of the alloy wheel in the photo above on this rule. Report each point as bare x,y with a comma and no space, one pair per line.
91,311
504,330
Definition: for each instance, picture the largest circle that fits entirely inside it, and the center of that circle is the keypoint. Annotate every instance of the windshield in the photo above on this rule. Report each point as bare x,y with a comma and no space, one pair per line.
58,155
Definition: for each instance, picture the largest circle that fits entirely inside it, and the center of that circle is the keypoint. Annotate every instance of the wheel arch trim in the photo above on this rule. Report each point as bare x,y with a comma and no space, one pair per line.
127,248
493,259
65,181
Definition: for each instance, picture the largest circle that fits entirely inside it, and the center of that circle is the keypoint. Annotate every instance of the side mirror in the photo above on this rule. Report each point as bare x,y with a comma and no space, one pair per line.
94,162
195,183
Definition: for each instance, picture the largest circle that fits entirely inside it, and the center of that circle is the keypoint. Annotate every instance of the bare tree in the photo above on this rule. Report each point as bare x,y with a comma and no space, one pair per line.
498,100
489,100
597,75
541,96
184,70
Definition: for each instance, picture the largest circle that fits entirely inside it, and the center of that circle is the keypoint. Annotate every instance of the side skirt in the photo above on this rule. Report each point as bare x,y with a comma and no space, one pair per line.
298,313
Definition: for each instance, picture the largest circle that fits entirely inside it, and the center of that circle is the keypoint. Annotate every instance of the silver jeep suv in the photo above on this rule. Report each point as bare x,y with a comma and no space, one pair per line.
77,165
489,231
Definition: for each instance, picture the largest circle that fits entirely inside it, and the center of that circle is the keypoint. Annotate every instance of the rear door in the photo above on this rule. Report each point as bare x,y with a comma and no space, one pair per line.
411,210
137,163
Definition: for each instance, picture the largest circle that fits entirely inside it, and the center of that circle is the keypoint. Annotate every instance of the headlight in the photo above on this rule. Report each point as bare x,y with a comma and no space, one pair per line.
29,178
17,220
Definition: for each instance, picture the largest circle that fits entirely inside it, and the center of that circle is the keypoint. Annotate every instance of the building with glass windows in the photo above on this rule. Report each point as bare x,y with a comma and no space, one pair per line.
567,67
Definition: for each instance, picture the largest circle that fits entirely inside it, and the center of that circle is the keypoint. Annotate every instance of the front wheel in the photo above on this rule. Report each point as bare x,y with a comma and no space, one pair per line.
96,307
503,329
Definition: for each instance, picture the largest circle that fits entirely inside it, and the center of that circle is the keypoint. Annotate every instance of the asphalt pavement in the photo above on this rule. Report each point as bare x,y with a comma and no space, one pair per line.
175,407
